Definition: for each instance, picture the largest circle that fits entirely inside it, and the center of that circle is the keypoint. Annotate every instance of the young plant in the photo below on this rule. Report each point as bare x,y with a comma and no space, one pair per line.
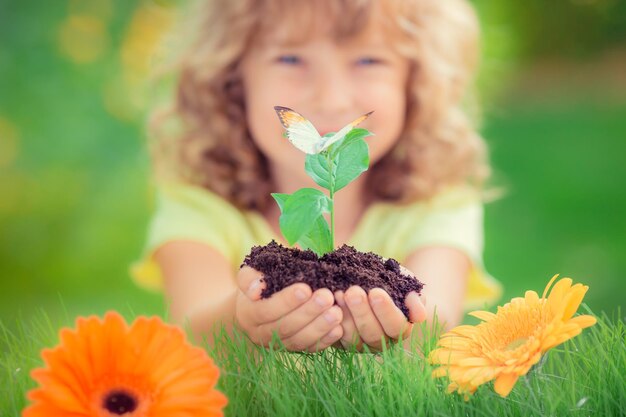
332,161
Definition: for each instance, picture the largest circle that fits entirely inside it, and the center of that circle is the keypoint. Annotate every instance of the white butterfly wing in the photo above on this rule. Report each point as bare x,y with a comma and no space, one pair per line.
300,132
343,132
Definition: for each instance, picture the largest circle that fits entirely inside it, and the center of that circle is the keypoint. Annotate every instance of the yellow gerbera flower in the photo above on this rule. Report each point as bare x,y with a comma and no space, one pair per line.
505,345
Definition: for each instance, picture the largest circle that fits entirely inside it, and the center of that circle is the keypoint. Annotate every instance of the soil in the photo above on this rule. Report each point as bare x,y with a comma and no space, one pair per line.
337,270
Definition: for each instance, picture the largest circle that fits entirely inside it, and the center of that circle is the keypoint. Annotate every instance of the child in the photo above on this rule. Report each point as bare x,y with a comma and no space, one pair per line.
410,62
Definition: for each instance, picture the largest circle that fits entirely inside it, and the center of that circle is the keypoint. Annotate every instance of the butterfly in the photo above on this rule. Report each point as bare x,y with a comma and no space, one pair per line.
303,135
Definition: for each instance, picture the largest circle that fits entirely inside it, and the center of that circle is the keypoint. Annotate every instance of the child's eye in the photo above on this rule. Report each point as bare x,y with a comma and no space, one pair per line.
368,60
289,59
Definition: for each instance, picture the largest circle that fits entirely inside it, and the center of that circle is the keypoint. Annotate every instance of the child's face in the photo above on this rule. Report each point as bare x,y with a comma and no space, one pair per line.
330,83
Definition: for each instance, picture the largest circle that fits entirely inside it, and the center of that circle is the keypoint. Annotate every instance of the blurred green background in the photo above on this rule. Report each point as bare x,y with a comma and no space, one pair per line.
75,194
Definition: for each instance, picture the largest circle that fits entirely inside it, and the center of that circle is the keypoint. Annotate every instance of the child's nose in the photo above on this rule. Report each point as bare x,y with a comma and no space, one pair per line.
331,90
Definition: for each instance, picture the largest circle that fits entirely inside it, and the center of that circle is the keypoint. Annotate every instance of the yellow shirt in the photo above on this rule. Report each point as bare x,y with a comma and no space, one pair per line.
453,218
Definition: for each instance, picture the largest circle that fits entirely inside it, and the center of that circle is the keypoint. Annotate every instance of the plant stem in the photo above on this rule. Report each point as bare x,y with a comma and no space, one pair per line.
332,199
332,219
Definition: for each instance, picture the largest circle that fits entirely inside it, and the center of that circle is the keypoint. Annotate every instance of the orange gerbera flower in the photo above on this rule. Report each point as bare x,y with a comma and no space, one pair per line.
105,368
507,344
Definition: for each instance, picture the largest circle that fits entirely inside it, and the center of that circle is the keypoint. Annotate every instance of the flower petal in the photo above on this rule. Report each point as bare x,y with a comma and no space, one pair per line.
583,321
548,343
465,331
504,384
577,293
531,297
454,342
477,361
446,356
559,290
545,291
482,315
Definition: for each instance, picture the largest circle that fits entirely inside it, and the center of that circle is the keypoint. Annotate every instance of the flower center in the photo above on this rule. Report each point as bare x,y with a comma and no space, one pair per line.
120,402
516,343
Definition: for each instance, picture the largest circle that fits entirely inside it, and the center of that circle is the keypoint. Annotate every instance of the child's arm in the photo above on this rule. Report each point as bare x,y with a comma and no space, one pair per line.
202,290
444,271
199,286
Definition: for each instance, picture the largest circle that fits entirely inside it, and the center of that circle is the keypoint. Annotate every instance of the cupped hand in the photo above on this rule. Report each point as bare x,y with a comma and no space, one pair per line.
373,318
303,320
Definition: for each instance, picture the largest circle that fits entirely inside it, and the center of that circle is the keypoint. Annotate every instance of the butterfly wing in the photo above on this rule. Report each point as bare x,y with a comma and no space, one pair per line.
300,132
344,131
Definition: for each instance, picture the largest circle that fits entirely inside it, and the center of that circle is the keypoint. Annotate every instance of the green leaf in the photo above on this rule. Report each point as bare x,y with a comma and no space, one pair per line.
281,199
316,166
353,135
350,161
300,211
317,239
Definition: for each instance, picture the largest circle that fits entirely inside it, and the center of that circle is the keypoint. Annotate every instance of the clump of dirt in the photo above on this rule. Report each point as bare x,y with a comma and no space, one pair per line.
337,270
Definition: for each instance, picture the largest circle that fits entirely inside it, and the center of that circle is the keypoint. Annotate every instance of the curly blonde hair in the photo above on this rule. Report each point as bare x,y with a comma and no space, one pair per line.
213,148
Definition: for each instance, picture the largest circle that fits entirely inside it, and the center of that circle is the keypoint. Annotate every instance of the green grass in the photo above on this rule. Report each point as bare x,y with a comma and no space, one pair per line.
76,197
583,376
